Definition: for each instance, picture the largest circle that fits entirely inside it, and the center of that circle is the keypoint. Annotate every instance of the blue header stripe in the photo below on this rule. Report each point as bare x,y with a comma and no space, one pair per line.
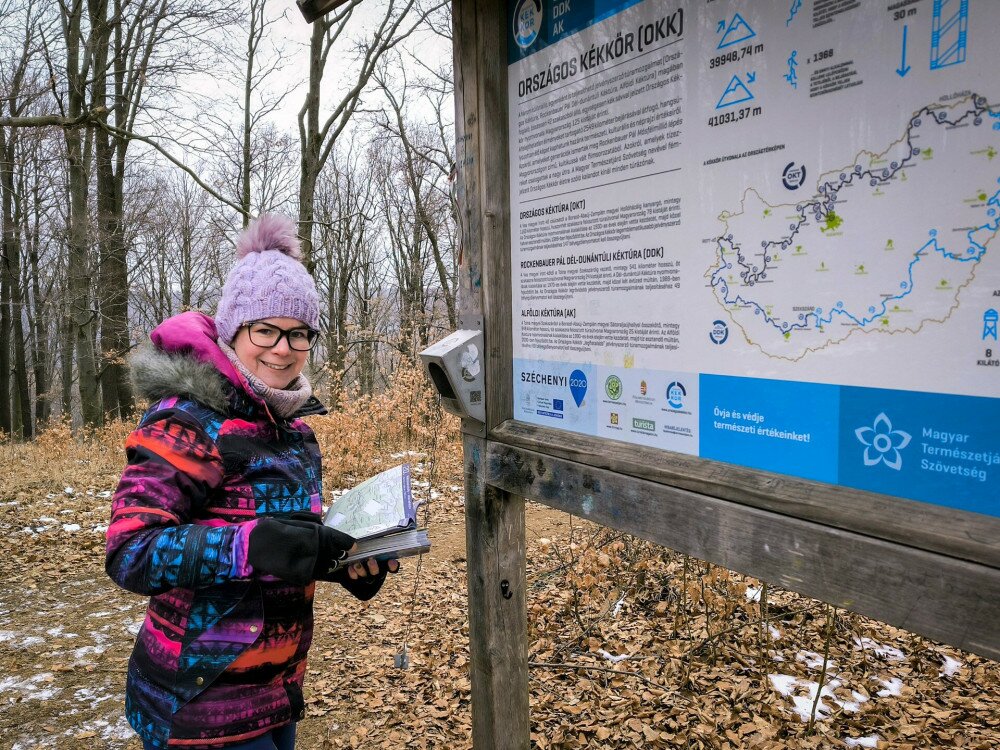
573,16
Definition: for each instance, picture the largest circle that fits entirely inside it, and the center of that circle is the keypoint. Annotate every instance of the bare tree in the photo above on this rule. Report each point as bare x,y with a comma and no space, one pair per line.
398,21
425,167
345,208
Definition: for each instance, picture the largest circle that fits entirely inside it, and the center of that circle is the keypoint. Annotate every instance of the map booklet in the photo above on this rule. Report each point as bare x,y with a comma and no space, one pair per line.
381,515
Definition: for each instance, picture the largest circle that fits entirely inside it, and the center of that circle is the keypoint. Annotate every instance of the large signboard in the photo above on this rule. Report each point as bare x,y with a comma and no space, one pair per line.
764,234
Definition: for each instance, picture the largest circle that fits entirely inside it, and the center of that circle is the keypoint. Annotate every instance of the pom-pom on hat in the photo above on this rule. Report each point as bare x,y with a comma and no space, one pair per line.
268,280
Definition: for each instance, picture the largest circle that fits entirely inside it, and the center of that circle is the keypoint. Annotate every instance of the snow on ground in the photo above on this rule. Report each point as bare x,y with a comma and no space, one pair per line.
893,686
812,660
803,694
35,688
885,652
870,741
951,666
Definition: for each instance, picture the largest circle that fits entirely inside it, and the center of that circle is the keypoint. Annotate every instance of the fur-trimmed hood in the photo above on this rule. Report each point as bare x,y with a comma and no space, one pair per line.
158,375
183,359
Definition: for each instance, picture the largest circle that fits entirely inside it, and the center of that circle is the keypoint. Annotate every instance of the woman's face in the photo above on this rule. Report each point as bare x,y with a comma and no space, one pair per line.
276,366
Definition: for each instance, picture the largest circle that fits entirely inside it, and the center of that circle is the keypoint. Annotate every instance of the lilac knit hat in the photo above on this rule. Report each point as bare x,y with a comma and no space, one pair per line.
268,280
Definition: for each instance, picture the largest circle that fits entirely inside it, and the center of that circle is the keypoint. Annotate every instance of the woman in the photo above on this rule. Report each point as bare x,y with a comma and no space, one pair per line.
216,517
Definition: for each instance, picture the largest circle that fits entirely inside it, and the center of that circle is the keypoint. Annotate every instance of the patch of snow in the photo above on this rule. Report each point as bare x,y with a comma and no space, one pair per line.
86,650
65,512
135,627
104,493
612,657
892,686
71,527
950,666
99,528
69,490
787,685
100,614
10,635
812,660
12,502
58,631
775,633
435,494
883,651
618,606
803,706
48,519
783,683
454,488
120,730
91,696
753,593
870,741
31,689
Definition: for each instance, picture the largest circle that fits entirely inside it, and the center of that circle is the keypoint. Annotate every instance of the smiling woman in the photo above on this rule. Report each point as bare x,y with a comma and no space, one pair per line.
216,517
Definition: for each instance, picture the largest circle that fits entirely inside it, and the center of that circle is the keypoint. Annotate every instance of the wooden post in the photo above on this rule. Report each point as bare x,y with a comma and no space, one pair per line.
494,518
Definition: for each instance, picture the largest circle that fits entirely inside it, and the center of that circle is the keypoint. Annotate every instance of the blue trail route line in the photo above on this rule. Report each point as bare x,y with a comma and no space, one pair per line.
823,206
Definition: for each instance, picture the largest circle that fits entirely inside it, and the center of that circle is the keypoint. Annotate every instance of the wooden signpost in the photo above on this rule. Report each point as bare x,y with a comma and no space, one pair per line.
739,173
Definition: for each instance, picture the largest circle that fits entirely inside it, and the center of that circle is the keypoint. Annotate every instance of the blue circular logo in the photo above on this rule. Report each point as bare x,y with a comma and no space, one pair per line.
527,22
793,176
719,332
675,394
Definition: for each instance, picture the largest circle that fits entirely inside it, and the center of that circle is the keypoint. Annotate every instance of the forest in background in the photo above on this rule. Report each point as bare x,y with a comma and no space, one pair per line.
138,136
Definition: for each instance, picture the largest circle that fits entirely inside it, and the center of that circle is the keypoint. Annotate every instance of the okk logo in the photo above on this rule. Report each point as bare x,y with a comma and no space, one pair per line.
882,443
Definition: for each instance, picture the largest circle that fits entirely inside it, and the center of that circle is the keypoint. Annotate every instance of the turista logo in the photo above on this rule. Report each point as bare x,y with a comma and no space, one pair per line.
613,387
646,425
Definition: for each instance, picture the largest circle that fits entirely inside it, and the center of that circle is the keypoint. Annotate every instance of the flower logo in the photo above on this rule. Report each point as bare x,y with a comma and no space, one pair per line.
882,443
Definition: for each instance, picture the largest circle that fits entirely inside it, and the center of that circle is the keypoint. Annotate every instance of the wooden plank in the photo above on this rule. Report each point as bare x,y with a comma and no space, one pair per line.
495,187
466,61
935,528
498,624
947,599
494,519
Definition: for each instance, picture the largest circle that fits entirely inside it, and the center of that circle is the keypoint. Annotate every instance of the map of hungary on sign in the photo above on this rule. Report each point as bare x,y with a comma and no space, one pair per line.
800,277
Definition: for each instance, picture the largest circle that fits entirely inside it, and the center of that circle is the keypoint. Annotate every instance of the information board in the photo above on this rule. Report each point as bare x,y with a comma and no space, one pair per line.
764,234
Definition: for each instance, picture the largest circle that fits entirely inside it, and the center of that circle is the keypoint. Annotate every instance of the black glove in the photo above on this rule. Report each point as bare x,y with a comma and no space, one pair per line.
362,588
296,550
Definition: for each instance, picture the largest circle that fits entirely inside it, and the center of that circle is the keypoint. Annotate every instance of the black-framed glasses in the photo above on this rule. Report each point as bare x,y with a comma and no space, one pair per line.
266,336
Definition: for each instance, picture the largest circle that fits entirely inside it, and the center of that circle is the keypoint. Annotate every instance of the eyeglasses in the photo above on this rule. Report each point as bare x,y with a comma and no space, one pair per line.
267,336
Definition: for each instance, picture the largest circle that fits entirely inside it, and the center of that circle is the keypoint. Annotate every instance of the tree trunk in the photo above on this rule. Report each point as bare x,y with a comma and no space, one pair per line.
79,273
66,331
43,400
310,146
5,413
13,305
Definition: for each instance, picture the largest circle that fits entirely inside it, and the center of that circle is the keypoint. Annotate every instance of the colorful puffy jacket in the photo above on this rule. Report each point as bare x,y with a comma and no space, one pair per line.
221,655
